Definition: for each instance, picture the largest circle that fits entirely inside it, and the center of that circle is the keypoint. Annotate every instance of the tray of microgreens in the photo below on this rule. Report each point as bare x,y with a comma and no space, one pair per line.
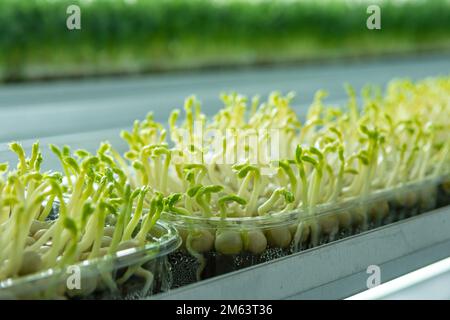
339,171
80,234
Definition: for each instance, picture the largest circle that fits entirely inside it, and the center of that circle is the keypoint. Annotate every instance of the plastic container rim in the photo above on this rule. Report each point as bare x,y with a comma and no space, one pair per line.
296,215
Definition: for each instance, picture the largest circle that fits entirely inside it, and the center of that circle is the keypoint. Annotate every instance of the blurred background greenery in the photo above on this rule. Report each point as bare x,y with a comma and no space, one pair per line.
140,36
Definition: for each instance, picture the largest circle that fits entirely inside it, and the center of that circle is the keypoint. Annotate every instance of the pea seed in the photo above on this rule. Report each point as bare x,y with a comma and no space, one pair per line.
106,241
345,220
201,241
329,224
108,231
37,225
228,242
279,237
407,199
30,241
358,217
379,210
31,263
257,242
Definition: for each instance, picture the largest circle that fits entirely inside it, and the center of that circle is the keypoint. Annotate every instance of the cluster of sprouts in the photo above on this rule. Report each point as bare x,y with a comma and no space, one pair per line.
378,143
52,219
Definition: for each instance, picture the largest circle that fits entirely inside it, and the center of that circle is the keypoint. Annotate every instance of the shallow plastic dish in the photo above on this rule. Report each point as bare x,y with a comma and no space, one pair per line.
129,274
222,246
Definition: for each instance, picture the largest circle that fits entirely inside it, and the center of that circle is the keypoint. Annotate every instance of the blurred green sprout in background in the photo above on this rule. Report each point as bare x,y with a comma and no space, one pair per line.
138,36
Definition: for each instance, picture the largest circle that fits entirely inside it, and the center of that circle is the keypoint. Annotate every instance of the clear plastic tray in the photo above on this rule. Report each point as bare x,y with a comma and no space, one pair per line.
129,274
222,246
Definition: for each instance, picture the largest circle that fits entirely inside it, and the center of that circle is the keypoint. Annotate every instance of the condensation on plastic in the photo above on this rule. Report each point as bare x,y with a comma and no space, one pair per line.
129,274
329,223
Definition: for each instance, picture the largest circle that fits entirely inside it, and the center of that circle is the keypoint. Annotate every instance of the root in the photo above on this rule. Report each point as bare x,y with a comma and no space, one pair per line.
200,258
